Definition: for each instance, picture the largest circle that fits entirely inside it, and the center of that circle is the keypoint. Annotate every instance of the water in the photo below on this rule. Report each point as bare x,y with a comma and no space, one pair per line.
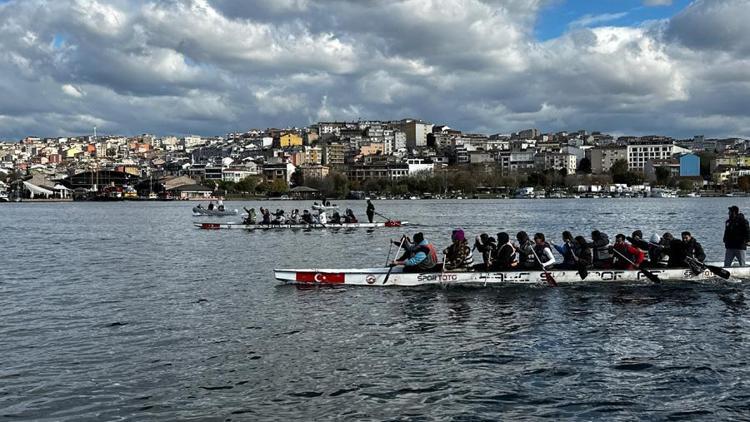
124,311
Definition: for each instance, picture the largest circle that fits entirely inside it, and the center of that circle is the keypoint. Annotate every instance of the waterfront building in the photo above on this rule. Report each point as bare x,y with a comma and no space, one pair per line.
651,148
602,158
555,161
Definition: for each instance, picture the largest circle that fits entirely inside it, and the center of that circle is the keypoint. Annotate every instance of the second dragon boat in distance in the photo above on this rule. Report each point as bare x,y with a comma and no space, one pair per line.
242,226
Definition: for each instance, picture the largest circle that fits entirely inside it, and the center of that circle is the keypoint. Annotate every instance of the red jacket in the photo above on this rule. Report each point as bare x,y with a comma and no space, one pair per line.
632,253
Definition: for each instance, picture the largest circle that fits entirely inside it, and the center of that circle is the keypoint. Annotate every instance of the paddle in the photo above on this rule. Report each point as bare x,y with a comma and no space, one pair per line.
550,280
388,274
651,276
388,257
381,215
582,271
721,272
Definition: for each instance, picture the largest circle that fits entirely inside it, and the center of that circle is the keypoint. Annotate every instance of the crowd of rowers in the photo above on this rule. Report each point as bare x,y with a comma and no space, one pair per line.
524,253
318,216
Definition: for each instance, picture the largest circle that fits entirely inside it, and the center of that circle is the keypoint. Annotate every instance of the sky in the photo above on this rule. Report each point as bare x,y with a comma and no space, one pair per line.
208,67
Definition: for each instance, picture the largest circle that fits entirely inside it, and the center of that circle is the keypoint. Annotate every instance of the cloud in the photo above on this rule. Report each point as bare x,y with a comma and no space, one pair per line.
589,20
213,66
657,2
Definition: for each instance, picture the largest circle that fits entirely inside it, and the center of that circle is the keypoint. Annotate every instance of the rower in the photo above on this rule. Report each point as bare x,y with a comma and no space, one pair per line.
567,252
543,252
627,250
486,245
600,247
583,253
504,256
210,205
458,255
266,215
336,218
307,218
250,219
683,249
525,246
423,256
349,216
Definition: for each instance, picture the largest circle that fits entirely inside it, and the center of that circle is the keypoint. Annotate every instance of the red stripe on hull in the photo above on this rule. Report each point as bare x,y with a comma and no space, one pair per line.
310,277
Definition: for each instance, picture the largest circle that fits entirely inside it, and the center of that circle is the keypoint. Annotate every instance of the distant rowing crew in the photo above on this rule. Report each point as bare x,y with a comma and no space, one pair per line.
306,217
627,253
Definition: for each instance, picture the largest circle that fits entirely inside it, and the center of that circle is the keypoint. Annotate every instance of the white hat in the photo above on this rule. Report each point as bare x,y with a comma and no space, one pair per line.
655,238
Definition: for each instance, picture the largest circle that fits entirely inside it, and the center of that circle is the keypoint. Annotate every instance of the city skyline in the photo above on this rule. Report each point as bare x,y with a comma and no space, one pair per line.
210,67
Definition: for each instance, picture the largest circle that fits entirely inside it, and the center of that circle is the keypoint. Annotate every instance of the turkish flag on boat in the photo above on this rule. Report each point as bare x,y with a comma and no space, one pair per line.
310,277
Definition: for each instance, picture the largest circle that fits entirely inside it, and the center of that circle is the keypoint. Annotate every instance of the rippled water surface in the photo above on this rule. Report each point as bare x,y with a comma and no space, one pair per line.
125,311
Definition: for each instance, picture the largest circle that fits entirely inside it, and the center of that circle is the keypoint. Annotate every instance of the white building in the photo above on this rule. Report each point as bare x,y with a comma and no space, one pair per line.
641,151
418,165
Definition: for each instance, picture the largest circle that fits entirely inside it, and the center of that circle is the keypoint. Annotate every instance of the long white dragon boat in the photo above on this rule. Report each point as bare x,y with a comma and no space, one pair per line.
381,277
242,226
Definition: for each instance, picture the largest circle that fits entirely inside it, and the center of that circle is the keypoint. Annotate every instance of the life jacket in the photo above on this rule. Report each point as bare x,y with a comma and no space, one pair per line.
526,253
539,249
430,256
601,250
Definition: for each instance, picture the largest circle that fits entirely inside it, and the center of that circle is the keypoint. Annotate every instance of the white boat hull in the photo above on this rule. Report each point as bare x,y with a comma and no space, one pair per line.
230,226
377,276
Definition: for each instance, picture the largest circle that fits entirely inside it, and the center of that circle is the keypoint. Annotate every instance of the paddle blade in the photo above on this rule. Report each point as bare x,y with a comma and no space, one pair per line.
583,272
651,276
721,272
550,280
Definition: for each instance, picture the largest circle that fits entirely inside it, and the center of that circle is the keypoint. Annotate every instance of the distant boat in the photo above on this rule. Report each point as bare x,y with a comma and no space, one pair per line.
214,212
663,193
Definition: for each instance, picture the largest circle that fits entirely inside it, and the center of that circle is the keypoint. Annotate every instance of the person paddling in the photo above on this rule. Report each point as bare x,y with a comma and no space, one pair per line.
570,261
684,253
583,253
626,250
307,218
505,257
423,256
543,252
458,255
370,211
486,245
600,247
250,219
525,248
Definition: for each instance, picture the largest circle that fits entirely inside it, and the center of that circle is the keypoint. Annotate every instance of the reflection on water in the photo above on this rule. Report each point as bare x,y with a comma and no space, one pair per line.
124,311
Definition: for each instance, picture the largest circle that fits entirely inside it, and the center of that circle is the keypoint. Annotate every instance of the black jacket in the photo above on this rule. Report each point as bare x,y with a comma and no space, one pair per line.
736,233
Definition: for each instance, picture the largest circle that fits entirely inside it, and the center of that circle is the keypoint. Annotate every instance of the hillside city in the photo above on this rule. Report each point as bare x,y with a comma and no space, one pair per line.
390,159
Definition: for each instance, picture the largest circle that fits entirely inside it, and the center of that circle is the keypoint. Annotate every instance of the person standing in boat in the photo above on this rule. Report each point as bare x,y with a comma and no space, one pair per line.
504,257
370,211
486,245
635,255
525,248
736,237
567,250
220,203
458,255
600,247
423,256
543,252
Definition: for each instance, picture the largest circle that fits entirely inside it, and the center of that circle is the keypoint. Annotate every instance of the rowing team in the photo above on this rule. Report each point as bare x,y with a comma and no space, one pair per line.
279,217
577,253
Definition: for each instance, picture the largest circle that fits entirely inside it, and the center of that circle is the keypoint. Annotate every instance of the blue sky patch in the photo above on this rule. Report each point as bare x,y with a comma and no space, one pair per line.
563,15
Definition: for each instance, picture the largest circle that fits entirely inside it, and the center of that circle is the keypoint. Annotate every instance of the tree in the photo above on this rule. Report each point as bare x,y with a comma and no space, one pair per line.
686,185
619,168
584,166
298,178
279,186
662,175
744,183
247,184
